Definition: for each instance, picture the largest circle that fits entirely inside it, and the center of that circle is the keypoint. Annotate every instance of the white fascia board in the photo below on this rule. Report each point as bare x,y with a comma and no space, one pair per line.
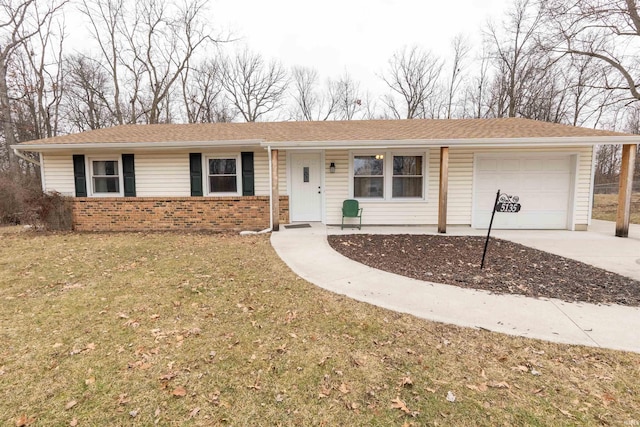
164,145
469,142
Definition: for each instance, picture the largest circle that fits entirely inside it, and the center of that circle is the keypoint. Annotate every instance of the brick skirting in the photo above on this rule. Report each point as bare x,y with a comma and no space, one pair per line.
175,213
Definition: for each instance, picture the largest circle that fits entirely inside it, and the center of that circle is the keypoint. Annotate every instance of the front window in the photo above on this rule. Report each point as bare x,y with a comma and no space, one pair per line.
389,175
407,176
368,176
223,177
105,176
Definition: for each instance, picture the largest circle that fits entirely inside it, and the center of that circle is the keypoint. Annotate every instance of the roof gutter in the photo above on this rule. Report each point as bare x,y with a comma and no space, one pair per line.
25,158
465,142
155,145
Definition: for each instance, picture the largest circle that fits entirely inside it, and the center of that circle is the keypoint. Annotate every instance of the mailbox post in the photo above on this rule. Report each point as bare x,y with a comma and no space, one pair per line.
506,204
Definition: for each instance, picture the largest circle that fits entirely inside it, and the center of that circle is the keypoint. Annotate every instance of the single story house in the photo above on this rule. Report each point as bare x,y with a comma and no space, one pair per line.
252,176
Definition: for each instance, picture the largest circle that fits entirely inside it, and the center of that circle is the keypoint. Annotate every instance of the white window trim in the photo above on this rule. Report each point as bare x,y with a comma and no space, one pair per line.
205,176
89,168
388,175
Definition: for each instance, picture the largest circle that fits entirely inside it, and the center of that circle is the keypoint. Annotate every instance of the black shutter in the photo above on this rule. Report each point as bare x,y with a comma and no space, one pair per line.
129,172
248,187
79,175
195,172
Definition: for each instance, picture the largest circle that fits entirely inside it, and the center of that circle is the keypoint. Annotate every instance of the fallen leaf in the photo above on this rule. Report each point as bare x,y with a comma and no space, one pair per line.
406,382
397,403
90,380
500,384
74,422
134,413
520,368
194,412
344,389
24,420
563,412
451,397
179,391
70,404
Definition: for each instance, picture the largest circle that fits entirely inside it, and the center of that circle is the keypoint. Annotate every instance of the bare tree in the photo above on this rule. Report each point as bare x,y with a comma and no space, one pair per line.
461,49
477,89
311,102
19,21
254,87
348,96
39,82
106,24
606,30
161,41
87,94
202,93
413,74
514,52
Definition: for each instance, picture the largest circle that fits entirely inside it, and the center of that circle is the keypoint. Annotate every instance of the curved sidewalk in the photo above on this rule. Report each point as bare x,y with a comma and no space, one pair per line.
307,252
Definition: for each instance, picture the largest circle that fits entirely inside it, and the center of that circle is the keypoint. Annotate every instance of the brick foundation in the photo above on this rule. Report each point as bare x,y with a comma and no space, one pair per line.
175,213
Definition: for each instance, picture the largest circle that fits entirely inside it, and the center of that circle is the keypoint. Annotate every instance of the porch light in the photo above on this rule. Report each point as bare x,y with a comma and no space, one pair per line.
332,167
379,156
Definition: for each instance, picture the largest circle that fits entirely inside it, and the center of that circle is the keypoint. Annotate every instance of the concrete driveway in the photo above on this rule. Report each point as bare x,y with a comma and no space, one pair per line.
307,253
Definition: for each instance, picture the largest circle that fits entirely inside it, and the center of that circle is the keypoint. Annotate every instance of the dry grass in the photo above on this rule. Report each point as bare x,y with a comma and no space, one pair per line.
606,205
137,329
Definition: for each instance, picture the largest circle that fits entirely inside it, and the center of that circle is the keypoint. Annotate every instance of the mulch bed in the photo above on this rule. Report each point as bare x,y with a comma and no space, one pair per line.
509,267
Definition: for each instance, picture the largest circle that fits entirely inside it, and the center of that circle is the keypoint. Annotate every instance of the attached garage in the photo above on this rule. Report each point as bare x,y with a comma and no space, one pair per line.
544,183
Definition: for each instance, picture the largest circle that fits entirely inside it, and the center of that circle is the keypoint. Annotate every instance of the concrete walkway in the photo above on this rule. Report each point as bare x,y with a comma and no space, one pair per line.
307,253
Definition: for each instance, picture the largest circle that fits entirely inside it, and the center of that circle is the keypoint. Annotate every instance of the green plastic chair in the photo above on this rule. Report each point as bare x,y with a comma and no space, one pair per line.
351,209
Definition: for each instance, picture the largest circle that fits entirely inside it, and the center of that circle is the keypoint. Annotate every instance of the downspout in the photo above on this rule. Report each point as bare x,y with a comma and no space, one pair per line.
270,189
23,157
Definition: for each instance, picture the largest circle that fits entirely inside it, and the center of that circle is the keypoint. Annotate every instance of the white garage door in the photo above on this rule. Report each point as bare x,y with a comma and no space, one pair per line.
543,184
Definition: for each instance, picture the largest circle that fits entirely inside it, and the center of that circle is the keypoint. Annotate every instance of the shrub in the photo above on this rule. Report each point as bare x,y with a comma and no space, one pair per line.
23,202
12,196
51,211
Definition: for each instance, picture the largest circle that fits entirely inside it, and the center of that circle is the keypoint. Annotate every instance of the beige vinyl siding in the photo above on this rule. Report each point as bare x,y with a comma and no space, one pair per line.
58,174
380,212
460,195
583,187
162,174
336,186
261,172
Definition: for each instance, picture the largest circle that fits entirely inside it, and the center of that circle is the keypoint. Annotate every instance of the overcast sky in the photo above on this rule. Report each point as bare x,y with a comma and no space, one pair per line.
357,35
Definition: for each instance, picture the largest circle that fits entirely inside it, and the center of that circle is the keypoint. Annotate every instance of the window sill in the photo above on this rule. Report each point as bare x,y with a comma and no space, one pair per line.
402,200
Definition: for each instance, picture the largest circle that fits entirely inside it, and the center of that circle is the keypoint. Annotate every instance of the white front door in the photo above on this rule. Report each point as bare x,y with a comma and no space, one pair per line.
305,203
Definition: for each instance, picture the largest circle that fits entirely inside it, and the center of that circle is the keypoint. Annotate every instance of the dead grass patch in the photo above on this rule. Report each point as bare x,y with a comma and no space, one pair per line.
137,329
605,207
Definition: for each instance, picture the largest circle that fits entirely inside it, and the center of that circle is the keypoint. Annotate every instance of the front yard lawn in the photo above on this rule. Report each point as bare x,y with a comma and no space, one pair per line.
198,329
605,207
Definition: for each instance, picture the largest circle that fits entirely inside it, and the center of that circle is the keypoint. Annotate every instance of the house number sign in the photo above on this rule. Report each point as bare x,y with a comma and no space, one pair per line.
506,204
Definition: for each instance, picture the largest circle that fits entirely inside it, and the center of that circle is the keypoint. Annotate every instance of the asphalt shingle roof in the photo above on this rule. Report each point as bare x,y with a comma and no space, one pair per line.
354,130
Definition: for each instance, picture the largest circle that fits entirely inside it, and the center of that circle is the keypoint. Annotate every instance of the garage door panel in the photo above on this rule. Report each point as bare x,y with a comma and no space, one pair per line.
487,165
509,165
533,165
561,165
541,182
